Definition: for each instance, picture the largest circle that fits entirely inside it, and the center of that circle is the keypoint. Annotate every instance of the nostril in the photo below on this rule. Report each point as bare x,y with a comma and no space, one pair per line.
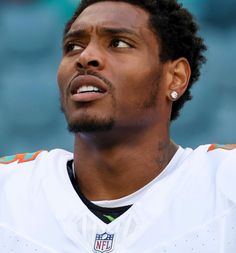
79,65
93,63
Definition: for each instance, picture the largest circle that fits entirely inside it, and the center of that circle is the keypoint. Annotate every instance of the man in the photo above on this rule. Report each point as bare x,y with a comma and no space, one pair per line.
126,71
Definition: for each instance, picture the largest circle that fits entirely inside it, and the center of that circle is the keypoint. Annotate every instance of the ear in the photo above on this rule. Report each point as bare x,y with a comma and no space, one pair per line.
179,73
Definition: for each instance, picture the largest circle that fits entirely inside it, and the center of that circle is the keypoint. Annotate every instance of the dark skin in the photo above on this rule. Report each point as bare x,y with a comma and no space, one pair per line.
114,41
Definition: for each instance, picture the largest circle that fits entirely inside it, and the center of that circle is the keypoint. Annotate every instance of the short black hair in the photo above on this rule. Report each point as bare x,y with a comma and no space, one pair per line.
176,31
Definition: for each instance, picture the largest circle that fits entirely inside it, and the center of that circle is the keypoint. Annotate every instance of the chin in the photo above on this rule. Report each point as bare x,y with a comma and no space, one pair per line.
91,125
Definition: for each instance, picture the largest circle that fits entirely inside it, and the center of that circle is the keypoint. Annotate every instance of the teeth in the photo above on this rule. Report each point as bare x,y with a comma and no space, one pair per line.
87,89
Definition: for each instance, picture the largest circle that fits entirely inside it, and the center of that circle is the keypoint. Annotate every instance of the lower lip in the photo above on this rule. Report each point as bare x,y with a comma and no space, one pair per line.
87,96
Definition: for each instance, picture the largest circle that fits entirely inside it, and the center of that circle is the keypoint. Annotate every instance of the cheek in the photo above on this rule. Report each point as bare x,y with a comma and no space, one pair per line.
60,76
137,88
63,76
131,91
136,81
65,70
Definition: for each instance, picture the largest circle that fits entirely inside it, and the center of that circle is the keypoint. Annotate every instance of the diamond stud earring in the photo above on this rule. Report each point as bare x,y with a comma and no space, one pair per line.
174,95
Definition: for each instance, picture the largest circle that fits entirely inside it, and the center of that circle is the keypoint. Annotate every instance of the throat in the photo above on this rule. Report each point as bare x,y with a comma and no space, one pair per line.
104,213
118,171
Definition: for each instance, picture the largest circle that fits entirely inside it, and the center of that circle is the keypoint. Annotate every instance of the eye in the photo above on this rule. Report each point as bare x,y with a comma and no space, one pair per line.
118,43
72,47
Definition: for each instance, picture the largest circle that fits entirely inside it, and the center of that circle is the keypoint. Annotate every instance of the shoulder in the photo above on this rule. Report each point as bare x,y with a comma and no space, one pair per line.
220,151
21,165
23,176
19,158
220,159
212,155
24,158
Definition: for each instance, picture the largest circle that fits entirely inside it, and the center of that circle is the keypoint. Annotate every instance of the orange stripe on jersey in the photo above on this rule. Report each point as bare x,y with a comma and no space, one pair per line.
29,156
20,158
221,146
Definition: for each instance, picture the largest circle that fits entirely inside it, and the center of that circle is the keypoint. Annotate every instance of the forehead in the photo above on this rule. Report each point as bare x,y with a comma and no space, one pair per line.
112,14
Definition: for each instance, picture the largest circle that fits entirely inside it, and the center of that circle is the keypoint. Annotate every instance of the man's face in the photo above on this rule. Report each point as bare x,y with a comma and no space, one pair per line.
110,73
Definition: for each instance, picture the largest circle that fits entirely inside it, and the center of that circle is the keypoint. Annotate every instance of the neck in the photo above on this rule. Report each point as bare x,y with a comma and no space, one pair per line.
110,168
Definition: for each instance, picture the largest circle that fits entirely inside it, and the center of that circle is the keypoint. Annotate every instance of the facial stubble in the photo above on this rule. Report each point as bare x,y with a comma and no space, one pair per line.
92,124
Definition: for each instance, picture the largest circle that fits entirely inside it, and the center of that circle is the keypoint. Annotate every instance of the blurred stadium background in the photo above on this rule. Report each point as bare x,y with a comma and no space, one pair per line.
30,51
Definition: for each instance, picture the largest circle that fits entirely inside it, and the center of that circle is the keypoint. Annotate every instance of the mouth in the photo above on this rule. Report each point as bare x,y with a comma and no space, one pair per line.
87,88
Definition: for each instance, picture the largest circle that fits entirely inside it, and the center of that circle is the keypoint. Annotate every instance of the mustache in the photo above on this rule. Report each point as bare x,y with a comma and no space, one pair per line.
98,75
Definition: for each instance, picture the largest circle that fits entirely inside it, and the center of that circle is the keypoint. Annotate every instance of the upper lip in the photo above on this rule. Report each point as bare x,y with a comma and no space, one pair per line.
87,80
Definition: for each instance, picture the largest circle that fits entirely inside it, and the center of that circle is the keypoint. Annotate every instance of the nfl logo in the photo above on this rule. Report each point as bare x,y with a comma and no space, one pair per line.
103,242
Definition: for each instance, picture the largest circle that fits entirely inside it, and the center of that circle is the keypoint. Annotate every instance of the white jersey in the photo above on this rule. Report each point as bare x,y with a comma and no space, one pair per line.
190,209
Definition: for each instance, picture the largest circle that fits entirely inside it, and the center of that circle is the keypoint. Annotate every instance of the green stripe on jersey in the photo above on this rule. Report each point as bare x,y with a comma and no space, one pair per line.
109,217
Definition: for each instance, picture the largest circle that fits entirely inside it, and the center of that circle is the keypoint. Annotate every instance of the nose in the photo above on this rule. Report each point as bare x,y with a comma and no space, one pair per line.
90,58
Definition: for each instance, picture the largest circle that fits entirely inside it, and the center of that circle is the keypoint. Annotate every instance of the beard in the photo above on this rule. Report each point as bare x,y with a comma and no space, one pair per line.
90,125
87,124
93,124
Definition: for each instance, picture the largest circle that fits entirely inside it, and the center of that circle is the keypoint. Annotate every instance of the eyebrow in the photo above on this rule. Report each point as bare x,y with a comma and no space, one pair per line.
77,33
105,31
